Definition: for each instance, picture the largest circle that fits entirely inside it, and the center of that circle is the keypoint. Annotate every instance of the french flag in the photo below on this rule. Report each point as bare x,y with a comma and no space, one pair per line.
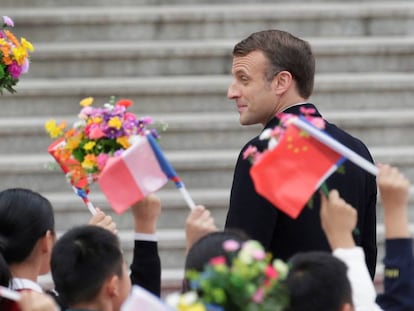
135,174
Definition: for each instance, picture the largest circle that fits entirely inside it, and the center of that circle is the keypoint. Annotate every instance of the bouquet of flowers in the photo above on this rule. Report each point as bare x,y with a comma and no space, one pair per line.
250,281
99,134
14,56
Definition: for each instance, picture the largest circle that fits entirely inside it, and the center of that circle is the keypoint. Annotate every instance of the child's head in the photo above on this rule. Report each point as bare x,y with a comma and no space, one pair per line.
88,267
26,227
318,281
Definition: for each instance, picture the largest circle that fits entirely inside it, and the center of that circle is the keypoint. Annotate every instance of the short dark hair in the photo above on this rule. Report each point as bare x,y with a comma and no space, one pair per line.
82,259
284,52
25,217
317,281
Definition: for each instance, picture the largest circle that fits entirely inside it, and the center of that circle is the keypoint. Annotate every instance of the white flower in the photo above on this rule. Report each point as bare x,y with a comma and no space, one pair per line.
272,143
79,124
173,299
265,134
281,267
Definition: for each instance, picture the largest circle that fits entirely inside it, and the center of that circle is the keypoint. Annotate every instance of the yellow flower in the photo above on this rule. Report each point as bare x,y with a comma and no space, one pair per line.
89,145
27,44
89,162
123,141
115,122
72,142
20,54
194,307
97,120
86,101
53,129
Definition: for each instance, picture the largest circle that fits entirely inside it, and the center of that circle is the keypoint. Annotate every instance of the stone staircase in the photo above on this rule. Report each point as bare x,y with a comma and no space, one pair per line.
173,58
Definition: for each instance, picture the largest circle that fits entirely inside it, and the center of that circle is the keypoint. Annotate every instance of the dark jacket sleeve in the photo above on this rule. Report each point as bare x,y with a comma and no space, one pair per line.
398,292
146,266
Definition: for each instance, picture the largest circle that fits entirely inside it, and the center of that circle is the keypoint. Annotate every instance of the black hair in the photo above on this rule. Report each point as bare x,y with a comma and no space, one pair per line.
210,246
284,52
25,217
82,259
317,281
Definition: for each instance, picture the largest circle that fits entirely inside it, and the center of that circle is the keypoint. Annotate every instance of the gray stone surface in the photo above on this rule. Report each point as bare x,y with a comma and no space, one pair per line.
172,57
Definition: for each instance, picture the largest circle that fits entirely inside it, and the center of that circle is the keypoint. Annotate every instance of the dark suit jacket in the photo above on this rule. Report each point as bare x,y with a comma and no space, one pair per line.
284,236
146,267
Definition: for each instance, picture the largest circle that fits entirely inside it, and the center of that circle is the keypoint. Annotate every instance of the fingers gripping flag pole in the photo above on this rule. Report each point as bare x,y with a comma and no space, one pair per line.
170,172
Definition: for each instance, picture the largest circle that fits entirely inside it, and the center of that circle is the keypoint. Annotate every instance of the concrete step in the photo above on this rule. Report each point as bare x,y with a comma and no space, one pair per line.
197,168
41,24
218,130
53,3
204,57
184,94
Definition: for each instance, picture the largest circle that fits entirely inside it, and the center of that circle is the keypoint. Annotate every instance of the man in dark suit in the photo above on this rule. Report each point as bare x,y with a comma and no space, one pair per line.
273,72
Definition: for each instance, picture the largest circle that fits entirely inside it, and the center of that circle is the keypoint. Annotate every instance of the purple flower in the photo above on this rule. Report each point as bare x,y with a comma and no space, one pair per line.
8,21
113,133
118,152
15,70
25,66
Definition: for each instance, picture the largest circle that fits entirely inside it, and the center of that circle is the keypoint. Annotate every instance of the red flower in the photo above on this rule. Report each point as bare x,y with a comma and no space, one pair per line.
124,102
219,260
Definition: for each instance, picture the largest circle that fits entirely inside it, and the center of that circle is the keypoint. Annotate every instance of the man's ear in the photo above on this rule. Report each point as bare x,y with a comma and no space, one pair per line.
282,82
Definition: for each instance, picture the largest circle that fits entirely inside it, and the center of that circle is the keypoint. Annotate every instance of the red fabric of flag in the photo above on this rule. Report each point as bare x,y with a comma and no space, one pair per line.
288,175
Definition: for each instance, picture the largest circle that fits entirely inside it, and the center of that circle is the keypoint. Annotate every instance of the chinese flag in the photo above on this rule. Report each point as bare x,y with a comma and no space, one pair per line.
288,175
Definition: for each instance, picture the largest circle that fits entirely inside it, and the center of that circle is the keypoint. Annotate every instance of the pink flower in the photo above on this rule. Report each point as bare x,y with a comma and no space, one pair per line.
307,111
231,245
258,295
250,151
219,260
258,254
318,122
15,70
8,21
101,160
95,132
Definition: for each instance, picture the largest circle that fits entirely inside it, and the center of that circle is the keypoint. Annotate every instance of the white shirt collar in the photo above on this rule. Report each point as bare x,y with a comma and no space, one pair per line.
19,283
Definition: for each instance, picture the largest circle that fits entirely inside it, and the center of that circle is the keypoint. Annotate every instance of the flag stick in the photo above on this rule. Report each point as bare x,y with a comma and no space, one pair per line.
9,294
187,197
335,145
83,195
169,171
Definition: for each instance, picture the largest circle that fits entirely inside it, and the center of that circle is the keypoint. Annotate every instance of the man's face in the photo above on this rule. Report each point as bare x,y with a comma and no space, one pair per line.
255,100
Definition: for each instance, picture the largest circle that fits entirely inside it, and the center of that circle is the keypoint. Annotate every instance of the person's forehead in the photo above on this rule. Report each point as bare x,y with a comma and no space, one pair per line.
255,60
